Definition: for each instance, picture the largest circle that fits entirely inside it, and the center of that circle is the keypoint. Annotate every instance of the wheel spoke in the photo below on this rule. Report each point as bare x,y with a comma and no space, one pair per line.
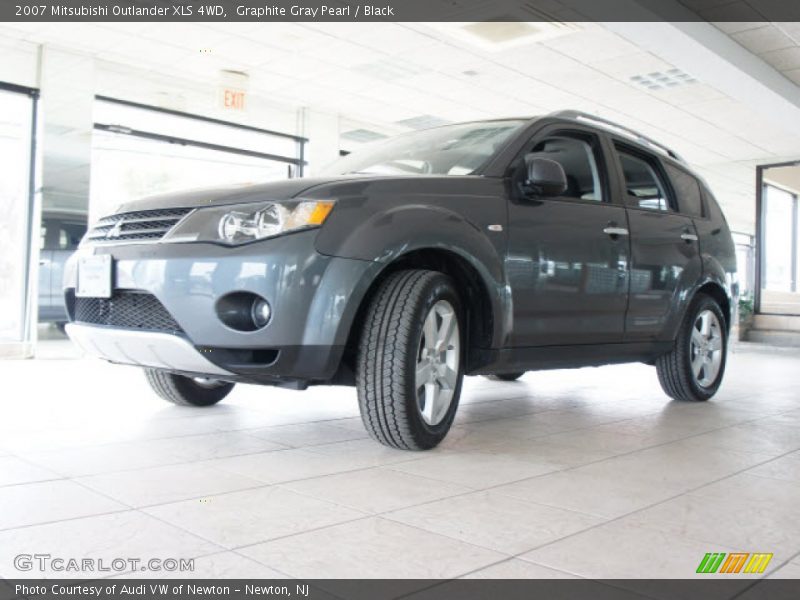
423,374
431,393
448,379
697,337
716,344
705,324
429,329
697,365
445,332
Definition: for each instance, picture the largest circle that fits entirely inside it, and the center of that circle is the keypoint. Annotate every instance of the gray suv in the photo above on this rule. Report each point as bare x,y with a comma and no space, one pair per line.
489,248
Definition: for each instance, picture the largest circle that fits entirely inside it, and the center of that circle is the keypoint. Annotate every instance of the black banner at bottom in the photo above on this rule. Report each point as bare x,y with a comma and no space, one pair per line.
412,589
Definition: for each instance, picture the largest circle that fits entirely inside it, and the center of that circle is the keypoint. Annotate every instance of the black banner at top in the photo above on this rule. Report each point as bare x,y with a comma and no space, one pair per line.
397,10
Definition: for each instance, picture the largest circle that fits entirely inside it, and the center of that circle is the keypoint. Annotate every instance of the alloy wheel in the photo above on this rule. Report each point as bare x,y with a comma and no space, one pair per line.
438,362
706,348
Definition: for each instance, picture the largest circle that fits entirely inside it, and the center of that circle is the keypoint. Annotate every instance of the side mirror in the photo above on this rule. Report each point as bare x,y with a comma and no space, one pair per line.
545,177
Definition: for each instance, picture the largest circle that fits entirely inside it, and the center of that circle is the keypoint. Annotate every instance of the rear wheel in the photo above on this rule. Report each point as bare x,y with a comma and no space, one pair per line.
506,376
693,369
187,391
409,367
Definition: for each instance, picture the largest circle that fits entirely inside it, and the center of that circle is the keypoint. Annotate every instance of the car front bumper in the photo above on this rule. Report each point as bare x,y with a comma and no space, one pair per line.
313,297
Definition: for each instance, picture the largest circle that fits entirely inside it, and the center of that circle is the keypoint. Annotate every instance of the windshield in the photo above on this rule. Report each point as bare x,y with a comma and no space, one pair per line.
450,150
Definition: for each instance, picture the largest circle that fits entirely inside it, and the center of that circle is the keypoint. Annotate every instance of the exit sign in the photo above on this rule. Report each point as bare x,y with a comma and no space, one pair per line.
232,98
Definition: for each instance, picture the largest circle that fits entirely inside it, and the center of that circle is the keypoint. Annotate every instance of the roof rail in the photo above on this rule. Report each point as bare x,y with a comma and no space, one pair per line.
577,115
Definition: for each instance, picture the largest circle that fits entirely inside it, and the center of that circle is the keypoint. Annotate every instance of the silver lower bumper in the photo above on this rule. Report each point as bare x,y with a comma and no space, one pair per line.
143,348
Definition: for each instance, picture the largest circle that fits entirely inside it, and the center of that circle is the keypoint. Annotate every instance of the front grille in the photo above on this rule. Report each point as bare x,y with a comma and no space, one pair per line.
127,309
149,225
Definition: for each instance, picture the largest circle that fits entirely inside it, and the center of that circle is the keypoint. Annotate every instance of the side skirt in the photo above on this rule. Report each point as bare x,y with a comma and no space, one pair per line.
509,360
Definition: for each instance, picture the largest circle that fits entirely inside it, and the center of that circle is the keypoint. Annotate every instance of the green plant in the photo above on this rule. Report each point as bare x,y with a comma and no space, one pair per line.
745,308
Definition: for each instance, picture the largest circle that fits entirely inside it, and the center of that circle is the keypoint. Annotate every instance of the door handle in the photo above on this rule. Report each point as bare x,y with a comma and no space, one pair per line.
613,231
689,237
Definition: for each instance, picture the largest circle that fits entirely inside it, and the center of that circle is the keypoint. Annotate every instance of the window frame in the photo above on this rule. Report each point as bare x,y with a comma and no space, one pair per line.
655,163
599,151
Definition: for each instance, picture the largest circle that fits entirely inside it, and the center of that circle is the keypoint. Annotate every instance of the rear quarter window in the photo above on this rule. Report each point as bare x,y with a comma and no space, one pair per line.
688,191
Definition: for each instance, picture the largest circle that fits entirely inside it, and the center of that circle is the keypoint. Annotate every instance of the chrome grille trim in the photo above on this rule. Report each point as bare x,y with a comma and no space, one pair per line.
136,226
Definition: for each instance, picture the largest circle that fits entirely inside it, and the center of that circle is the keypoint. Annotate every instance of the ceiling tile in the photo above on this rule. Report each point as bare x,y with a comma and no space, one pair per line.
763,39
786,59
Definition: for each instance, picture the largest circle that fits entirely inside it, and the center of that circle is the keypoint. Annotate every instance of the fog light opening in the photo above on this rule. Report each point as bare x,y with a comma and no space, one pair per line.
244,311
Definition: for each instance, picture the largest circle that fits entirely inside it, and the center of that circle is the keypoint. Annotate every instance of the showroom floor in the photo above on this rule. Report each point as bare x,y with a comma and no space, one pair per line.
589,473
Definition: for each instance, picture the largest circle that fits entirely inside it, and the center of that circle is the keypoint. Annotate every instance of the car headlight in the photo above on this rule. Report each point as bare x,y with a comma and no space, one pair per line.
241,223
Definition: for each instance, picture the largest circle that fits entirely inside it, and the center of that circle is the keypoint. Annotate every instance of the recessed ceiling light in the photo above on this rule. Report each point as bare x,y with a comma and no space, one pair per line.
388,69
423,122
659,80
504,31
362,135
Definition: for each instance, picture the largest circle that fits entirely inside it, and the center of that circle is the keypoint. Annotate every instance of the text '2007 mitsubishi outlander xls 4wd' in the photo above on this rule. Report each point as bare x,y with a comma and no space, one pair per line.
490,248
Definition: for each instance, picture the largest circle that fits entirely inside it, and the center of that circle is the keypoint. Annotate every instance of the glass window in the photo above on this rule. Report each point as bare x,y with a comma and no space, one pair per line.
127,167
688,191
449,150
577,159
642,183
778,231
15,157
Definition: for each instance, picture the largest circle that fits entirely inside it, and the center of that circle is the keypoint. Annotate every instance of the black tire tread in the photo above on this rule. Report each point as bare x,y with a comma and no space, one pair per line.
381,362
168,387
674,373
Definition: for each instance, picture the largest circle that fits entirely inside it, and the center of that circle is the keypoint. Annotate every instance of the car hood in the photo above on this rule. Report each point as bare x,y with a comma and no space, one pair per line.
274,190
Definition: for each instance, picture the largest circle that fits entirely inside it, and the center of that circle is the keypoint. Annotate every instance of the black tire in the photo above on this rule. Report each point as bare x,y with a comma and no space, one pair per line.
505,376
62,327
185,391
389,347
675,368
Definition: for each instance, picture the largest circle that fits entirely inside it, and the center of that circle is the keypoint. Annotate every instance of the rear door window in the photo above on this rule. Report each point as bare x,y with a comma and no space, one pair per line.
688,191
643,185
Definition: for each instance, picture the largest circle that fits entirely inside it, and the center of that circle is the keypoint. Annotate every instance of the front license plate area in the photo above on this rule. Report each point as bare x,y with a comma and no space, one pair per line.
94,276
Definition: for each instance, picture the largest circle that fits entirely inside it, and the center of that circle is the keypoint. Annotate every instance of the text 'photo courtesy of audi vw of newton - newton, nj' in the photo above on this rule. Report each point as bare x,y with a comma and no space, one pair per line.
489,248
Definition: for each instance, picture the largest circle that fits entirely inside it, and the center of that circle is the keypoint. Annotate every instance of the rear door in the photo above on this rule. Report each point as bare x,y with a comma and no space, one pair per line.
567,260
665,257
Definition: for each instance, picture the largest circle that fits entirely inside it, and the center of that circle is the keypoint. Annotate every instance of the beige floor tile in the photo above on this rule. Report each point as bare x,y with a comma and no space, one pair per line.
158,485
515,568
224,565
495,521
125,535
289,465
15,470
308,434
50,501
619,550
376,490
476,470
371,548
251,516
727,521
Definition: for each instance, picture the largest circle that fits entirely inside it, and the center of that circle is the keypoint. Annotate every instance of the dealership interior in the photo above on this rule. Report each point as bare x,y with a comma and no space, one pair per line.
563,474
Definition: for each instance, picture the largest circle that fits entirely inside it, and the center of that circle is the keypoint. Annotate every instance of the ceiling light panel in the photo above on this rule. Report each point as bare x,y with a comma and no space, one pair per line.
362,135
423,122
660,80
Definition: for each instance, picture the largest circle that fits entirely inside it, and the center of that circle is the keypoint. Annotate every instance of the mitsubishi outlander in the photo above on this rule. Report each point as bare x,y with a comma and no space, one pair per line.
491,248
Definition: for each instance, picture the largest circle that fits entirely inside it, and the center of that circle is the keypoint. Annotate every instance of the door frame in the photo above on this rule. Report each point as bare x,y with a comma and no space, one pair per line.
759,237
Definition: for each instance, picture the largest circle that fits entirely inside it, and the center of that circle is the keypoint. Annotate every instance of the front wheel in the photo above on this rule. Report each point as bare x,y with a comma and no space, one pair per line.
409,367
693,369
187,391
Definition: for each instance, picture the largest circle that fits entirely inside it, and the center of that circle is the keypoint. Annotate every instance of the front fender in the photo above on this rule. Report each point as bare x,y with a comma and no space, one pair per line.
385,236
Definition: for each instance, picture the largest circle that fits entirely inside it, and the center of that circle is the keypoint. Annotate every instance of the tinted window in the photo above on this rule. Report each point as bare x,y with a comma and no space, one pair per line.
578,160
688,191
644,186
